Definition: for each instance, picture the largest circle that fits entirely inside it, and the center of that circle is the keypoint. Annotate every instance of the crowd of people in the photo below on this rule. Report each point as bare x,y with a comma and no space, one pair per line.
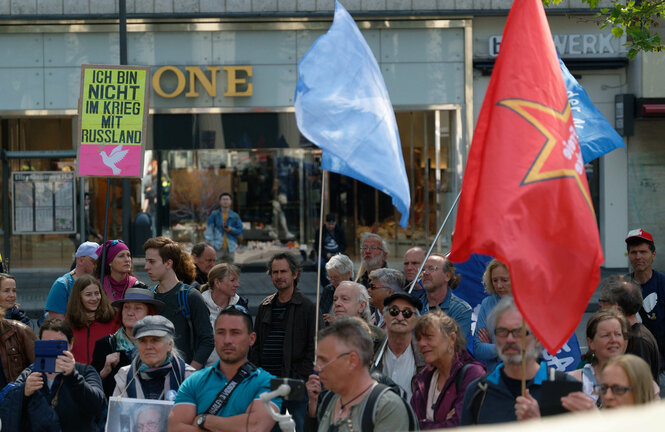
395,349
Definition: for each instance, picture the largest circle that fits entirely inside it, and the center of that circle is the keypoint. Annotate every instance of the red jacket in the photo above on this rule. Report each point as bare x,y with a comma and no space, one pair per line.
85,338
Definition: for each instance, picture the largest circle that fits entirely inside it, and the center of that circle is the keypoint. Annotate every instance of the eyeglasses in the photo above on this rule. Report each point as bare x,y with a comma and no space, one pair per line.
430,269
237,307
503,332
376,287
406,313
372,248
320,368
112,243
616,389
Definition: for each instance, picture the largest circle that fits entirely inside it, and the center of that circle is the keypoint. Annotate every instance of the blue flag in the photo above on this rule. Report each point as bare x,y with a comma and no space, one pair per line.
596,135
342,106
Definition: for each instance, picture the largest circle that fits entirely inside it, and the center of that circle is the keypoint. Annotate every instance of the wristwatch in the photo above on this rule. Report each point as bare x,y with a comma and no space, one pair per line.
200,421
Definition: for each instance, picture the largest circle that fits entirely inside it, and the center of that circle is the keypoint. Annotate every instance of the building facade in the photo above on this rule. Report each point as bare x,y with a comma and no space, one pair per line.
223,76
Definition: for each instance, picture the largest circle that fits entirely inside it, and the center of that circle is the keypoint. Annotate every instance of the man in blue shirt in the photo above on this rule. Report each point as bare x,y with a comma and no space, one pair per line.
223,228
439,279
241,410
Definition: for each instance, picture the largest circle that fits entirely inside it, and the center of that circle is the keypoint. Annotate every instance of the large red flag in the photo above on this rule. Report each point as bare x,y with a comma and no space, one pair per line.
525,198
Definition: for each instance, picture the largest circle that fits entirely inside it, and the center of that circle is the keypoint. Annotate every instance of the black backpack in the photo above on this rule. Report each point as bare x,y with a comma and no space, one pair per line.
369,414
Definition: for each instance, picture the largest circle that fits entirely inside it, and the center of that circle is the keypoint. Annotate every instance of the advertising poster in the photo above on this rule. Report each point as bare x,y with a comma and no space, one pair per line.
137,415
43,202
113,113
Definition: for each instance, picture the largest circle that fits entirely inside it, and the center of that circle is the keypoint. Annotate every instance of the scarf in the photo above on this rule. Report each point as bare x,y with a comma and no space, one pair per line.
123,343
115,290
155,382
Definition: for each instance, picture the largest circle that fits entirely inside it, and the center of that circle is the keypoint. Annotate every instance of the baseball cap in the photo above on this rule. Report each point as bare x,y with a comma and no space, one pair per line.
639,233
404,296
87,249
153,325
330,217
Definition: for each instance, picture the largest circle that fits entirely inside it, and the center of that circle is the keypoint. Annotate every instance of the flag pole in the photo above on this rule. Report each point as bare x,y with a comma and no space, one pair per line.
318,269
106,227
523,357
420,270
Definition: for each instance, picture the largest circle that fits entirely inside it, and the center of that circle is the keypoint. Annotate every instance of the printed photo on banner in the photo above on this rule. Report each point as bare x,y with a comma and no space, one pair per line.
137,415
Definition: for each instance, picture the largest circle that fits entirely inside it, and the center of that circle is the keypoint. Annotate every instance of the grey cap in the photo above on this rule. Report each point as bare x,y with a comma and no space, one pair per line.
153,325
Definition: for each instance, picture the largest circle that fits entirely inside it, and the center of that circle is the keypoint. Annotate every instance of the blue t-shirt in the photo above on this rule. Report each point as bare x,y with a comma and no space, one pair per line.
653,307
202,387
59,295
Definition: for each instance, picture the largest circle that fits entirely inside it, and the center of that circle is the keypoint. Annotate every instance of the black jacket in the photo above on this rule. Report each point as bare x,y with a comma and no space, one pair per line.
104,347
81,401
298,358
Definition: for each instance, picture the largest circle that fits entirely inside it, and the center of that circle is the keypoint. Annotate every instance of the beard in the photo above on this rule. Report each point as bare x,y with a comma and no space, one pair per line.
374,263
532,352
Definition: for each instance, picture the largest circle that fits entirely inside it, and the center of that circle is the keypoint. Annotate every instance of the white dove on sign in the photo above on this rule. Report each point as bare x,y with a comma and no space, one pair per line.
113,158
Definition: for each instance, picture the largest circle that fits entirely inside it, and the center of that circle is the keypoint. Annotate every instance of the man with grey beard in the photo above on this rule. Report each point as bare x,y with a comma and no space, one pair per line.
496,398
374,251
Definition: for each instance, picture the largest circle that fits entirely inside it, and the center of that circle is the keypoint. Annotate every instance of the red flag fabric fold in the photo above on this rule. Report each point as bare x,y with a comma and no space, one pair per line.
525,198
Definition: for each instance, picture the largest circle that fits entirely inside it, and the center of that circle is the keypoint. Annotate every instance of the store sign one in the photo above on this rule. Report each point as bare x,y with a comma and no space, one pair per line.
237,78
575,44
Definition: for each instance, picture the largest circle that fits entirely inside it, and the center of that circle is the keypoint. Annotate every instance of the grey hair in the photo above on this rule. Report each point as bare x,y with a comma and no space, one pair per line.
174,351
505,304
352,332
363,296
394,279
163,419
384,244
340,263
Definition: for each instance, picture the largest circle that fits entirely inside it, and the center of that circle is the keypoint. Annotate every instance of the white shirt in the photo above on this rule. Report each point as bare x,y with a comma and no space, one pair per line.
400,369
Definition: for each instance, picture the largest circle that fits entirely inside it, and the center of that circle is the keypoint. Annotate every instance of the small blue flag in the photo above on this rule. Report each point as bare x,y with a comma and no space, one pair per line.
595,134
342,106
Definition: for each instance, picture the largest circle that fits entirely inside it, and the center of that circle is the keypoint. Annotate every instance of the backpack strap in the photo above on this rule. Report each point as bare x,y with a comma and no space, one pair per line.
459,376
477,399
183,308
324,400
369,412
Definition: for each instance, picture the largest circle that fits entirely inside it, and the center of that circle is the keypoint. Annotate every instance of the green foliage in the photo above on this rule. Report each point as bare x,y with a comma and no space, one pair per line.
636,19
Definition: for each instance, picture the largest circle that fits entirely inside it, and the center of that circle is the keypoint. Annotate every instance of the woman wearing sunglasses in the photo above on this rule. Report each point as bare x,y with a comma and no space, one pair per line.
438,390
497,284
118,270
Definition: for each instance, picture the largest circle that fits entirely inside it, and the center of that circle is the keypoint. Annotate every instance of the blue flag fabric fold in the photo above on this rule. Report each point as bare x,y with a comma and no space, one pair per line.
342,106
595,134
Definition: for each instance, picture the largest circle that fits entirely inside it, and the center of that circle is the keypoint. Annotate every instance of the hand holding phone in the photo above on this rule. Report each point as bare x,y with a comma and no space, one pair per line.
46,354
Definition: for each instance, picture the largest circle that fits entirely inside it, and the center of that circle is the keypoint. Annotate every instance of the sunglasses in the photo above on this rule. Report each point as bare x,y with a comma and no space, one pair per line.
406,313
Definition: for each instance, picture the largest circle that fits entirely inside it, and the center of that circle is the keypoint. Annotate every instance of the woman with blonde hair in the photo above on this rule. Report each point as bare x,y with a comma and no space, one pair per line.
91,316
438,390
497,284
220,292
625,380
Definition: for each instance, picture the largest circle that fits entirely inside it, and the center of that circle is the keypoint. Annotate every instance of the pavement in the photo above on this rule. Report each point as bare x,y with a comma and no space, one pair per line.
33,286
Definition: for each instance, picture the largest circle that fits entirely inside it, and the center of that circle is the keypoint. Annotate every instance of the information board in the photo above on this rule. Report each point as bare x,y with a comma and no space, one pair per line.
113,113
44,202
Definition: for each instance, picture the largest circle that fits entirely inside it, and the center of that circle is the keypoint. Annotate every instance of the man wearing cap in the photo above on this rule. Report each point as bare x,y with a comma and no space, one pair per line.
224,397
401,360
56,302
641,254
333,243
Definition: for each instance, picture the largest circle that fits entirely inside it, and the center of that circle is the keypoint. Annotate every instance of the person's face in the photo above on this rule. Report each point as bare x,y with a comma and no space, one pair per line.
345,301
7,293
337,278
148,421
227,286
378,293
55,335
122,263
232,339
608,341
435,345
412,261
156,268
640,257
433,274
132,312
153,350
282,277
225,202
509,348
372,253
501,281
85,265
91,297
399,324
330,225
614,375
206,260
332,363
